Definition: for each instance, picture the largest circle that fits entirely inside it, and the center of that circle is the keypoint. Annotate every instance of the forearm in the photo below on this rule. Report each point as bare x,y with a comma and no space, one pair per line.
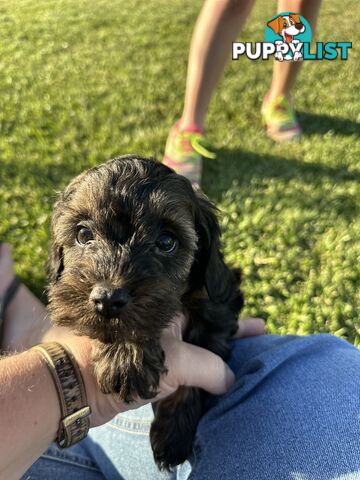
29,412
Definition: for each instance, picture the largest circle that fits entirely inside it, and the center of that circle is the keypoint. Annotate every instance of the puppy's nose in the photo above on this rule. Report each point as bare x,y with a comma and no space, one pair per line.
299,26
109,301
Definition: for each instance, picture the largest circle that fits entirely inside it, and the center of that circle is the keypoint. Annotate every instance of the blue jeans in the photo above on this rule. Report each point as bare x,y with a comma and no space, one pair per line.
293,413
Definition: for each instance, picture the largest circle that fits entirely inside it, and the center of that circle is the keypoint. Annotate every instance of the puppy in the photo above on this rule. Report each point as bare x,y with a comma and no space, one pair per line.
132,245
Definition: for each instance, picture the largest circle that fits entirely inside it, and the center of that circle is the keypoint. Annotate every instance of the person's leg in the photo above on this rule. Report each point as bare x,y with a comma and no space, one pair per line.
18,334
75,463
119,450
285,73
277,111
124,445
217,26
293,413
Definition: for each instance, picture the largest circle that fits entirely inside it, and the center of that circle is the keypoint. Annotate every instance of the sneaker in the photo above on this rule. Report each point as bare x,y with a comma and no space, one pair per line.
280,119
184,152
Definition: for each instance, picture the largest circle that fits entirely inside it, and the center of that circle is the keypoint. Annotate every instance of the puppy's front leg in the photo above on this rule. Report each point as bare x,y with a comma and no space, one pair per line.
173,429
130,369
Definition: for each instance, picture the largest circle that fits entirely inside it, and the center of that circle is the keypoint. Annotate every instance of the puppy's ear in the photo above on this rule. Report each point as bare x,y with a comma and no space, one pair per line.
55,262
210,269
276,24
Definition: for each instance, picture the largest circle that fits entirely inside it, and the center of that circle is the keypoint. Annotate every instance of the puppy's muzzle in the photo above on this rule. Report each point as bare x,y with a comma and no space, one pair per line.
108,301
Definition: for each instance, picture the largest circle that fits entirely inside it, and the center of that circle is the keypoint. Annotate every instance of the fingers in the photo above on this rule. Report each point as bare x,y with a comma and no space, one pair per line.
249,327
196,367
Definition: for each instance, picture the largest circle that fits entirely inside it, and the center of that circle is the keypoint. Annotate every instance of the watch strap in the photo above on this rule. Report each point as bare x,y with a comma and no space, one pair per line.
74,424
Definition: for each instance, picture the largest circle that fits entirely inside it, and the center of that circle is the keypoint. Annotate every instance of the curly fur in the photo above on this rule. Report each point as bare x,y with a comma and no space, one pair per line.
128,203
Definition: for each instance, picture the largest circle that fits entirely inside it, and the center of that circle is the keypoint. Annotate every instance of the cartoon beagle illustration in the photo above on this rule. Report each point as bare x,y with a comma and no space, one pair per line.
287,26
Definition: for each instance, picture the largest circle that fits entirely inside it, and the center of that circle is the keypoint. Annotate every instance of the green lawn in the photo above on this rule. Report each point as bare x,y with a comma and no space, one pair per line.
83,81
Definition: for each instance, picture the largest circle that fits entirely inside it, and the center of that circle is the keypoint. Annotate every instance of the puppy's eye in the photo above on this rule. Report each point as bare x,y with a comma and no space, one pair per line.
166,243
84,235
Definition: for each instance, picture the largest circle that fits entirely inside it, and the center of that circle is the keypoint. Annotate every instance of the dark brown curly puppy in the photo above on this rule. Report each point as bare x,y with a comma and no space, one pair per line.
133,244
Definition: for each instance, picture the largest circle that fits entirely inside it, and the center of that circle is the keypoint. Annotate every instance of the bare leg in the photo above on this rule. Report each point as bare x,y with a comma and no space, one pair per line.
285,73
26,318
216,28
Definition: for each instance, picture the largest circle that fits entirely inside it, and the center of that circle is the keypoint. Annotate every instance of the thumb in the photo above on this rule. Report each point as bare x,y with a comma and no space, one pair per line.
198,367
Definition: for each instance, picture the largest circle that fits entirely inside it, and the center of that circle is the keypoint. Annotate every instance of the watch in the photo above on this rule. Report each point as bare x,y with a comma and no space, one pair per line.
74,424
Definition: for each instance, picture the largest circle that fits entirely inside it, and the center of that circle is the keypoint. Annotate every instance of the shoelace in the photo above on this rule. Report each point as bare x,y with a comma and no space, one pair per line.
199,147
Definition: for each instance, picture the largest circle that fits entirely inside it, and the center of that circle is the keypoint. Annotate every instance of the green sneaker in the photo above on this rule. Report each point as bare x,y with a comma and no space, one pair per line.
184,152
280,120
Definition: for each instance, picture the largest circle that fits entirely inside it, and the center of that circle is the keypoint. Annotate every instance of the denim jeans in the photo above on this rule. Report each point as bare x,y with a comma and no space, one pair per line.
293,413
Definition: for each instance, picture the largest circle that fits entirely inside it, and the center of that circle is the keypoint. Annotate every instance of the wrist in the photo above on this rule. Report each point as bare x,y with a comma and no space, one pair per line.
29,413
44,384
103,406
75,411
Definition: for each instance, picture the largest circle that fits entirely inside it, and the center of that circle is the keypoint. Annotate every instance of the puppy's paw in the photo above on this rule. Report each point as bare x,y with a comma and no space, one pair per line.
173,429
133,371
171,447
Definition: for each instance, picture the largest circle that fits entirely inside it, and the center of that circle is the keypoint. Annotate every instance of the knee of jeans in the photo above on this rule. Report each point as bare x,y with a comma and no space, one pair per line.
330,341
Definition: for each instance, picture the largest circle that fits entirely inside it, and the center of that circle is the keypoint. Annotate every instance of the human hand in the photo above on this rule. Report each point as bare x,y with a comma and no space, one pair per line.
187,365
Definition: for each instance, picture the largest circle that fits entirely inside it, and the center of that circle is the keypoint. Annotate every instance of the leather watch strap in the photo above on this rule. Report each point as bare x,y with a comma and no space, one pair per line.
74,423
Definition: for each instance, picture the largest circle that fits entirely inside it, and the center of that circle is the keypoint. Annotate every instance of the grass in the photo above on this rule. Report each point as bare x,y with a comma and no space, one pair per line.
84,81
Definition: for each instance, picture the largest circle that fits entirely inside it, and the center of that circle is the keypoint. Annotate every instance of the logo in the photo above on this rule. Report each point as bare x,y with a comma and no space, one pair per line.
288,33
288,37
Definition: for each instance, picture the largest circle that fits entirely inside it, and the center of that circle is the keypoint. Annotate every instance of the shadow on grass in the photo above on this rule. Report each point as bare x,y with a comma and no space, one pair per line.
243,167
312,123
